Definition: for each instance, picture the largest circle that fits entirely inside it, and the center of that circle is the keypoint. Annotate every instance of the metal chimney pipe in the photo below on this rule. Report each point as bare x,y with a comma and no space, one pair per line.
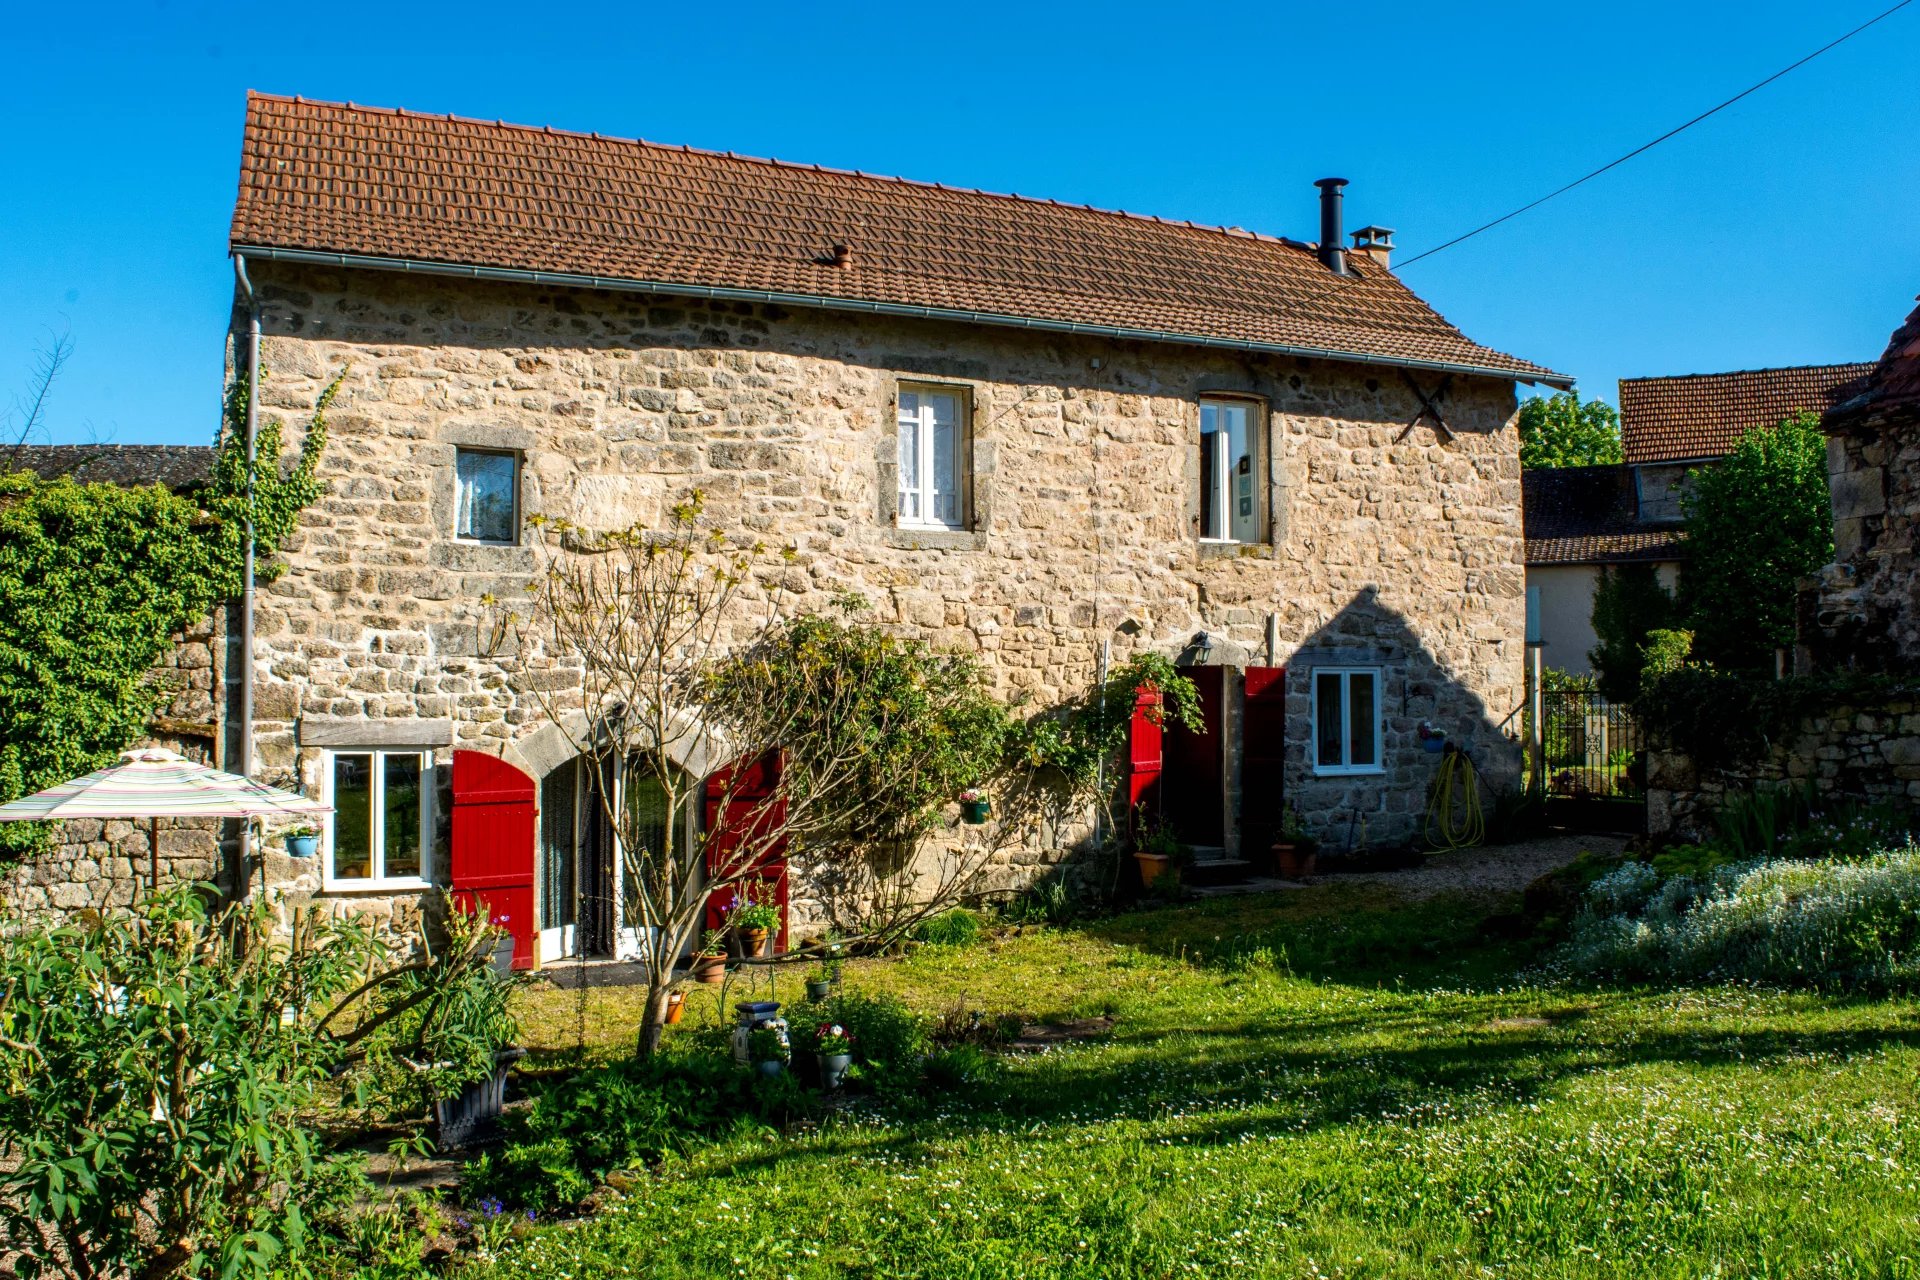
1332,237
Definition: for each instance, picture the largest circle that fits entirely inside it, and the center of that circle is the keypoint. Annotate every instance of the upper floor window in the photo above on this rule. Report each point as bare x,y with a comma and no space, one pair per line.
1229,495
380,832
1346,720
486,496
932,457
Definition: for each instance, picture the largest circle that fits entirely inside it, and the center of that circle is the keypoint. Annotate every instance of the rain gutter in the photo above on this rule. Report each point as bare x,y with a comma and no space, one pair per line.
571,280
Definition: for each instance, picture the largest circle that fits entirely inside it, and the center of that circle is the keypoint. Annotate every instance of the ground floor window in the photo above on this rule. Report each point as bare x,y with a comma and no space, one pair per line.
380,831
1346,720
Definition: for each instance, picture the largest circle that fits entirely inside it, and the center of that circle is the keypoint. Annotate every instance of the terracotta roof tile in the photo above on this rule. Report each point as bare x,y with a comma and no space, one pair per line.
1893,384
1702,415
341,179
1588,515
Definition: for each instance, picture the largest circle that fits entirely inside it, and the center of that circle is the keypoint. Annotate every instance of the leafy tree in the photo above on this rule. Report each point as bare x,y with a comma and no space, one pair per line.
1758,521
98,579
1561,430
1628,603
163,1067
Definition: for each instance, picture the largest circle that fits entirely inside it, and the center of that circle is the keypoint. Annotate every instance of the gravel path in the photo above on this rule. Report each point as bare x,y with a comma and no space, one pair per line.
1504,868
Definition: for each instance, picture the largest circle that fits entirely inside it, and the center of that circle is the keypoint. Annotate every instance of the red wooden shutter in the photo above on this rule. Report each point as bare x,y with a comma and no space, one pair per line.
752,812
1144,761
494,808
1263,761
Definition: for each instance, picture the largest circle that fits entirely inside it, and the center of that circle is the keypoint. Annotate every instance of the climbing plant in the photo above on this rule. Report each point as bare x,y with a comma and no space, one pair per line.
98,579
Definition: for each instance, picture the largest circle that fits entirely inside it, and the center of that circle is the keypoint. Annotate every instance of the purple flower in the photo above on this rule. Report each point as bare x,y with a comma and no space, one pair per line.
492,1207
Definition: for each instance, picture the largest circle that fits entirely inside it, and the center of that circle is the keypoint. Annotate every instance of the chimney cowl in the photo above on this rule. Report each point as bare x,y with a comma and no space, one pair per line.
1376,243
842,255
1331,239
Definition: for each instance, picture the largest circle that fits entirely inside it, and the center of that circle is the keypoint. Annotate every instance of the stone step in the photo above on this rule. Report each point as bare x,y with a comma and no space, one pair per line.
1212,871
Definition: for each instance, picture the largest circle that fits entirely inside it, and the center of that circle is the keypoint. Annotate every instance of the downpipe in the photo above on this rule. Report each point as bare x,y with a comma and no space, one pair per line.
246,582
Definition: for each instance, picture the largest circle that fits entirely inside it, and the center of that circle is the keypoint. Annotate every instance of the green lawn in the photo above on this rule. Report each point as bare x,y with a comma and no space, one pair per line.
1322,1083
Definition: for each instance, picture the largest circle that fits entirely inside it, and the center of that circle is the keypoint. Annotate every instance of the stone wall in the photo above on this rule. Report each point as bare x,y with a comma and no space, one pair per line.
1865,749
1388,546
1864,613
99,864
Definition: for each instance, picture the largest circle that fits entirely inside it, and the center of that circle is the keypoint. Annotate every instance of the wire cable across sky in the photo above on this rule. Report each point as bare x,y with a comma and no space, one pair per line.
1613,164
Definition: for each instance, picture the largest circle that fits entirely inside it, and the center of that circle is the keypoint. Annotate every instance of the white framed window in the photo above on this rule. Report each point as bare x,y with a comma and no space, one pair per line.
1346,720
486,496
1229,473
932,458
380,832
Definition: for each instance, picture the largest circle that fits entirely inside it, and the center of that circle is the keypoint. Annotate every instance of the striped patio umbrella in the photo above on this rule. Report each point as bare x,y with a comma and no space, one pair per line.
154,783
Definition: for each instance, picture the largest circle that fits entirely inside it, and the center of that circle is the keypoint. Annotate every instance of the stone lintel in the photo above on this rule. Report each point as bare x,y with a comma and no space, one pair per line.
331,731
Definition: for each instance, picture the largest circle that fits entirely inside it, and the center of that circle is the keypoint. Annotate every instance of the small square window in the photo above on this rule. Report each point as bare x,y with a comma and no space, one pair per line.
1229,471
933,458
486,496
1346,720
380,830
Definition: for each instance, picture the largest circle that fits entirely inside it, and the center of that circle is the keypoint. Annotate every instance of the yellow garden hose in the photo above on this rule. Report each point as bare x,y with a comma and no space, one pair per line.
1454,820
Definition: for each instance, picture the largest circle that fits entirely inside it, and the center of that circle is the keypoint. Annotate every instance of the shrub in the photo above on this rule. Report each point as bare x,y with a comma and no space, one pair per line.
956,928
889,1040
543,1176
1630,608
1048,902
1846,925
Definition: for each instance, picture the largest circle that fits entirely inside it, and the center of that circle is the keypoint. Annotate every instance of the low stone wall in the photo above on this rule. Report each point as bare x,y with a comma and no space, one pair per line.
1863,750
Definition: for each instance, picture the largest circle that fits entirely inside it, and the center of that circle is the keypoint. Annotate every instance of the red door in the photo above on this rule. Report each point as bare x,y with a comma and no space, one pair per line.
1263,761
1144,762
749,816
493,838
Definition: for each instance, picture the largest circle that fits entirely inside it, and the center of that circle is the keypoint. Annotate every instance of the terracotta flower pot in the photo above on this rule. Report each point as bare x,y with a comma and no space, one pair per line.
1152,866
753,942
710,969
676,1005
1292,862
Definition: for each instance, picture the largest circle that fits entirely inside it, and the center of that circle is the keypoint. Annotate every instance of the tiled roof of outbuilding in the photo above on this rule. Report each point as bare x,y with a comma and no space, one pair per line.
1588,515
177,466
328,179
1702,415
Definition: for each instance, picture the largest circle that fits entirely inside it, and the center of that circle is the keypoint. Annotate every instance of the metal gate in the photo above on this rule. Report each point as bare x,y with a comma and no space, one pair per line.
1593,749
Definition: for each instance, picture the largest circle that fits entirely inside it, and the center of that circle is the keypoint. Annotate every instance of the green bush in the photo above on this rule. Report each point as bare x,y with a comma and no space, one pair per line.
889,1040
543,1176
1837,925
956,928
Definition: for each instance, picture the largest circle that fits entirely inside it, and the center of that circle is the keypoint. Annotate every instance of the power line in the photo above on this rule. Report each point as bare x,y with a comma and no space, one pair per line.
1657,141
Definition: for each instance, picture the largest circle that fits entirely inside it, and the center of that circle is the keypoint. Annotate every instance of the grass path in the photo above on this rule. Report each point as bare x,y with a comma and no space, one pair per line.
1328,1082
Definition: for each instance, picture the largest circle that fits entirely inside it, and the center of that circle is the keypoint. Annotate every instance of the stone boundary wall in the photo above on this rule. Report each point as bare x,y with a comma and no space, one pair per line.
1861,750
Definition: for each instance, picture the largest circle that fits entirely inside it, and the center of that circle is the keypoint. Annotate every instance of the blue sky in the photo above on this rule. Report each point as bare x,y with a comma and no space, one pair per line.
1782,231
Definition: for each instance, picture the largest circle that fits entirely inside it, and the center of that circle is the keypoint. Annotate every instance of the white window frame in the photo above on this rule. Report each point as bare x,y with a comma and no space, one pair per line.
1222,486
923,482
378,806
512,456
1346,768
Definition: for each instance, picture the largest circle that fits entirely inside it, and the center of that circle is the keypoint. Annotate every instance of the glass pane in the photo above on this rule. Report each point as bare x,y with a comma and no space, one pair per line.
402,815
1242,525
352,817
1213,520
909,456
484,495
1327,718
647,818
1361,717
557,846
945,498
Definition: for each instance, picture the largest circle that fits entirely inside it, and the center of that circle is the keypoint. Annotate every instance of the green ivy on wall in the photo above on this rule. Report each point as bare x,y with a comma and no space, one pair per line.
98,579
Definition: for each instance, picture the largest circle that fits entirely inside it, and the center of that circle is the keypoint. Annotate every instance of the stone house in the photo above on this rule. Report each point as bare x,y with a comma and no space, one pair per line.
1582,520
1024,428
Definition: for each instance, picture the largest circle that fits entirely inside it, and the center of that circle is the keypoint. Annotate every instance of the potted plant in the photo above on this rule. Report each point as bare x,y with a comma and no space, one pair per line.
767,1051
754,916
1158,851
1293,852
710,962
833,1045
303,842
676,1005
975,808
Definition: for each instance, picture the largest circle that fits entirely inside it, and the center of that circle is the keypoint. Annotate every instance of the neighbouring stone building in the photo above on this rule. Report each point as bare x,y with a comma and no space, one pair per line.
1017,427
1583,521
1861,618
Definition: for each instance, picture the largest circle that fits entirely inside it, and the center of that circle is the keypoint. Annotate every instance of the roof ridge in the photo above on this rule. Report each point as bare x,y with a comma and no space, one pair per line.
1237,233
1734,373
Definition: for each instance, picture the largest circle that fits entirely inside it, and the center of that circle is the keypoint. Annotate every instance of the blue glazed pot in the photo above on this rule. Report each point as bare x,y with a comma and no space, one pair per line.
303,846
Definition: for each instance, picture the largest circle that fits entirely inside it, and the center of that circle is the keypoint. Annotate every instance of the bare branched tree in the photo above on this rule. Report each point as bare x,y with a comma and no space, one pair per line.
662,655
27,416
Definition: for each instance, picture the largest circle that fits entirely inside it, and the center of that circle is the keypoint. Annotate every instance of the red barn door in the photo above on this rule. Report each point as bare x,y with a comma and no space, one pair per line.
1144,762
751,813
494,811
